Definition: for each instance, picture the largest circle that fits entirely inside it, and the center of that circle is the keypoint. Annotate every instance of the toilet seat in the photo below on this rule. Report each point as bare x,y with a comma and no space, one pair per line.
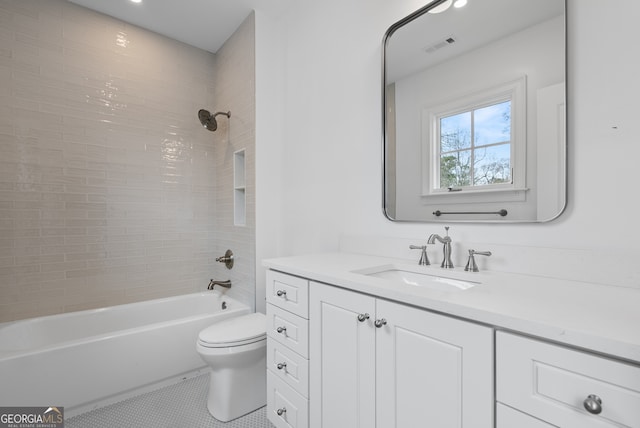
237,331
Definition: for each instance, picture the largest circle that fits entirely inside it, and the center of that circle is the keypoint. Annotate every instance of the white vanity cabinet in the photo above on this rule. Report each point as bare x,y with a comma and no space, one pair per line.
554,385
342,348
287,350
382,354
376,363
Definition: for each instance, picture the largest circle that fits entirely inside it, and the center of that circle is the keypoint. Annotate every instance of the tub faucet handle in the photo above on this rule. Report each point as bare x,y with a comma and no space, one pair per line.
227,259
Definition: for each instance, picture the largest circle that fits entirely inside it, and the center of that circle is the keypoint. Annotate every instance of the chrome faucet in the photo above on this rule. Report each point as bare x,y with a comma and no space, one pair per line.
446,241
471,263
424,259
225,284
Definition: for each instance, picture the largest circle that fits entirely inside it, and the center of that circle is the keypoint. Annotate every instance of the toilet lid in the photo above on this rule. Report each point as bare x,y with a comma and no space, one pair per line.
235,331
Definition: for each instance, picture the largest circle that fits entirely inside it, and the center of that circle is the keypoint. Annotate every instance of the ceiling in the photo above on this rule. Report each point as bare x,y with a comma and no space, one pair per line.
478,23
206,24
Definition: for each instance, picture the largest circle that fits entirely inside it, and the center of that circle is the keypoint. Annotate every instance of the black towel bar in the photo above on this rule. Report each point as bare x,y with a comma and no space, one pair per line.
502,212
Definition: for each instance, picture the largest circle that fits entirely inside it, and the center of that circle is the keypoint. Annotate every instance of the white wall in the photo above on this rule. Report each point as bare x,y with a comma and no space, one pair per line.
269,143
330,146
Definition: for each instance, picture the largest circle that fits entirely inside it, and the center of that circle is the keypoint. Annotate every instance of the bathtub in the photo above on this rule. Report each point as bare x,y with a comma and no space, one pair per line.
86,359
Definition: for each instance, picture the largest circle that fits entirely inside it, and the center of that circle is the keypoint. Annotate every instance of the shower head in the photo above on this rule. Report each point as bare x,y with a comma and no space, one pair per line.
208,120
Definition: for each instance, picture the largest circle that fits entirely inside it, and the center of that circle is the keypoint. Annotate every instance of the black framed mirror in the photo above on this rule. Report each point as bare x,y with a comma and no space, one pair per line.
474,112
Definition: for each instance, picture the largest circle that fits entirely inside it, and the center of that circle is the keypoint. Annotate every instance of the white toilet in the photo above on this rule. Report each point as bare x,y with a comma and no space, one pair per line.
236,351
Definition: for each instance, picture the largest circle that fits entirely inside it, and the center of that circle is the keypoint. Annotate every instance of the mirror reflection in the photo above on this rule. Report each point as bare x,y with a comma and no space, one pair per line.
474,112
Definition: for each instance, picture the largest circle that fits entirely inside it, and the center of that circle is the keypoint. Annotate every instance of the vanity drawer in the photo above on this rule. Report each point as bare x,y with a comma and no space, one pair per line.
288,329
281,397
552,382
288,292
294,369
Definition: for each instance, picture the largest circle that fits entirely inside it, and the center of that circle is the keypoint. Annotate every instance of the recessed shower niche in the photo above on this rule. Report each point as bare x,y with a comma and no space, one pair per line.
239,189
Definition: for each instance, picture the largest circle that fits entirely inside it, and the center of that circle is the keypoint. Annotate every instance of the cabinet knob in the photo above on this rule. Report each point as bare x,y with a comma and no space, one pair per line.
363,317
281,329
281,293
281,411
379,323
281,366
593,404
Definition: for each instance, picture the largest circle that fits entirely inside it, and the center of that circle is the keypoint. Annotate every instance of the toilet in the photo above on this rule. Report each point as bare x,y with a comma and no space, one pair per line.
236,351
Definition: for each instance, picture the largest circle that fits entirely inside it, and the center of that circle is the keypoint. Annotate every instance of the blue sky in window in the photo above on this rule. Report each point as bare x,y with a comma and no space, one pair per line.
493,124
458,125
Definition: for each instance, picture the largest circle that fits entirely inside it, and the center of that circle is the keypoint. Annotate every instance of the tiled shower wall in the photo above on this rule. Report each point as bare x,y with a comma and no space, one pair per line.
110,190
235,92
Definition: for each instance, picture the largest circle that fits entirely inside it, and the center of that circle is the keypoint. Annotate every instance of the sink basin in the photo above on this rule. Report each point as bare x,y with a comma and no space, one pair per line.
418,276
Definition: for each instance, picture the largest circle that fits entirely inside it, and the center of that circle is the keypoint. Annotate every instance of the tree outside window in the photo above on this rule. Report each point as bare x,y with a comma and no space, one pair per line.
475,147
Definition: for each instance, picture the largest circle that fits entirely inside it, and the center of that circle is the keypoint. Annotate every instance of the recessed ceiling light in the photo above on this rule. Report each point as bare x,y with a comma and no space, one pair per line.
460,3
136,1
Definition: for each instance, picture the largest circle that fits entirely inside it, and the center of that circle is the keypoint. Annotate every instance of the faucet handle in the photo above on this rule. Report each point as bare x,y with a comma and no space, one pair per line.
471,263
227,259
424,259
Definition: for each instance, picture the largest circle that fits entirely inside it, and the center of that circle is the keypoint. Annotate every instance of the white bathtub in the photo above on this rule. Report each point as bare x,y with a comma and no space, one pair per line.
83,360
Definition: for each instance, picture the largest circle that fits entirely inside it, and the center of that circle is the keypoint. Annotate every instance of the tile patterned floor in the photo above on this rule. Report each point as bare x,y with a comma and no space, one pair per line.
183,405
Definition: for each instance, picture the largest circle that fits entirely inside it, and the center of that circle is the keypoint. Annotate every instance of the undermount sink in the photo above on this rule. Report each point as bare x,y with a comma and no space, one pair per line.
418,276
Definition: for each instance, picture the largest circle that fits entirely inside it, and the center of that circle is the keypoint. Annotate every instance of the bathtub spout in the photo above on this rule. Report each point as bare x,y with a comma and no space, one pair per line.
225,284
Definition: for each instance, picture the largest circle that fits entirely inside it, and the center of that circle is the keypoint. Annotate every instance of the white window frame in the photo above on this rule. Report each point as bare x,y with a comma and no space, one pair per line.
514,91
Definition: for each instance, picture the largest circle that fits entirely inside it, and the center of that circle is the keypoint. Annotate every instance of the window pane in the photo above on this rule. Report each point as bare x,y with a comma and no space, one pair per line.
492,165
455,169
455,132
493,124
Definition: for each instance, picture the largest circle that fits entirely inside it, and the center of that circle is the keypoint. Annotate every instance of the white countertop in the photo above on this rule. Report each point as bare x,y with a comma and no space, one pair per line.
600,318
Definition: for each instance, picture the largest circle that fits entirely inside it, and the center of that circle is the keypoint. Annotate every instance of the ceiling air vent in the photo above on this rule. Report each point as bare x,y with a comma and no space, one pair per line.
448,41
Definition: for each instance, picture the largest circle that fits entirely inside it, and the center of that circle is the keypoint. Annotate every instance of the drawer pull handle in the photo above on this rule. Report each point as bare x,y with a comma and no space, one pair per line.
282,411
593,404
379,323
281,366
281,293
363,317
281,329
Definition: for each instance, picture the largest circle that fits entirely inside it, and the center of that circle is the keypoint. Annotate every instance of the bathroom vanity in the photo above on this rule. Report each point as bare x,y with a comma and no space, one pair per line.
364,341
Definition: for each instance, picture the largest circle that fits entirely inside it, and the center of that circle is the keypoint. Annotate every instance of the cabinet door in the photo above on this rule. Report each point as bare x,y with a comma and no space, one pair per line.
342,359
433,371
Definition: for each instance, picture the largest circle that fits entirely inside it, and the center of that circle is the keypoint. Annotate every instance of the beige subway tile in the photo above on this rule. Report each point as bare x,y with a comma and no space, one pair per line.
62,267
136,168
38,259
18,270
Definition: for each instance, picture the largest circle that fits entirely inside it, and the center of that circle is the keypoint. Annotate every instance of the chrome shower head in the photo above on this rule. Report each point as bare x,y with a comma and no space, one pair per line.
208,120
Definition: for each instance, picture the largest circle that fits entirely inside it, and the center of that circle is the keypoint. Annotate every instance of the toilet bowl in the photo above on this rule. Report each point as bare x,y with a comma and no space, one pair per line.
235,350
